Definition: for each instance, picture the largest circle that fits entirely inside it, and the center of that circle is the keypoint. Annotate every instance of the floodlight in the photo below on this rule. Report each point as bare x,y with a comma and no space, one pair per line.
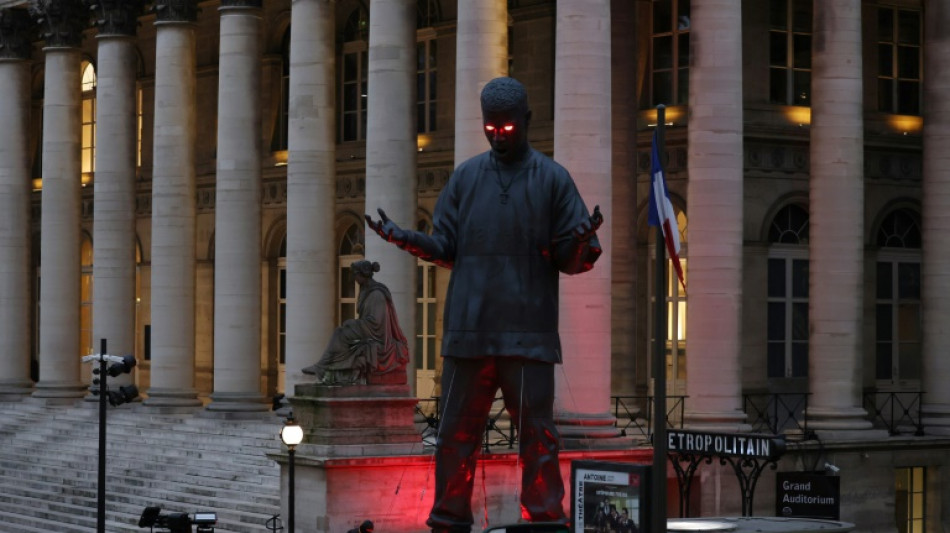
149,516
124,367
125,394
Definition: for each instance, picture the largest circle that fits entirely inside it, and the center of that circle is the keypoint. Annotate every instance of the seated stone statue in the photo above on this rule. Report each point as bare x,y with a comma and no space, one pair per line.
371,348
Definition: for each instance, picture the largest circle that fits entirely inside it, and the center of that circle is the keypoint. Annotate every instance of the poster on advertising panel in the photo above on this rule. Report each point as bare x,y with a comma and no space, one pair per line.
609,497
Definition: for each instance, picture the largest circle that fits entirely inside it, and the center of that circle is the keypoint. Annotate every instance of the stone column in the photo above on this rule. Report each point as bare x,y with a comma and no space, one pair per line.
113,231
59,356
836,245
714,309
173,208
311,188
936,217
391,149
582,144
237,234
16,277
481,54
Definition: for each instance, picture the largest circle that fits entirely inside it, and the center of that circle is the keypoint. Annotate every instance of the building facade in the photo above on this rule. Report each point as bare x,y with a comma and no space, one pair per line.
187,180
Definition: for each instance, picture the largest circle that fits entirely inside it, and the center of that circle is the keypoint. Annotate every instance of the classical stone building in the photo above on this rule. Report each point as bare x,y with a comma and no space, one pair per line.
188,181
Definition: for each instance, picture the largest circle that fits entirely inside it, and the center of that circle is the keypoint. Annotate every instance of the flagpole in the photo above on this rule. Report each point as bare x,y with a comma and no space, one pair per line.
658,515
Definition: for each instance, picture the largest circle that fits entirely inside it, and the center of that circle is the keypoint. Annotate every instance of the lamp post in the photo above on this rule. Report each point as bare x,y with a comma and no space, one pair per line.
291,435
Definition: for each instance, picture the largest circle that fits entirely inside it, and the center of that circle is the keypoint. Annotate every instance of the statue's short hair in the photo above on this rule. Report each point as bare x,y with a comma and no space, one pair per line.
364,267
504,94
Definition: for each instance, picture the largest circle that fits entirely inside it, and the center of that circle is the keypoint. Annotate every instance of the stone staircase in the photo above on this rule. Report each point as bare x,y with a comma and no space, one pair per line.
181,462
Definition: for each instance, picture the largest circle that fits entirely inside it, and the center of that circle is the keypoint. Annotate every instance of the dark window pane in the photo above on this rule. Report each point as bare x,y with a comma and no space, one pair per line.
663,52
777,88
909,98
421,87
662,87
800,278
419,286
349,97
662,16
432,122
910,360
777,278
885,24
682,11
682,52
283,283
800,321
776,360
802,47
884,327
433,87
419,324
908,62
433,53
885,60
430,319
347,311
799,359
908,281
908,322
682,91
778,49
885,95
420,118
778,14
802,96
349,127
776,321
883,356
884,281
349,67
283,349
420,56
908,27
801,18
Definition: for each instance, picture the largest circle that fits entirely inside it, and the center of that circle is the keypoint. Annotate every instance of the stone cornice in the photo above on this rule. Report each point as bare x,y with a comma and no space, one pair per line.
117,17
61,21
176,10
16,33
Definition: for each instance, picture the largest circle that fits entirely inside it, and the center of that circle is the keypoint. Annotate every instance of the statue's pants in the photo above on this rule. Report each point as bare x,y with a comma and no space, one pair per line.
468,389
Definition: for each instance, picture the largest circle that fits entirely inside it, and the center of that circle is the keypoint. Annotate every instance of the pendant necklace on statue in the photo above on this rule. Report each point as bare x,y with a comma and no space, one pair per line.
503,195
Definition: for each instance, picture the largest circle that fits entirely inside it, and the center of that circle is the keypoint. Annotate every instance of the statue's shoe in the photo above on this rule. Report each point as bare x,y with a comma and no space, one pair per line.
312,370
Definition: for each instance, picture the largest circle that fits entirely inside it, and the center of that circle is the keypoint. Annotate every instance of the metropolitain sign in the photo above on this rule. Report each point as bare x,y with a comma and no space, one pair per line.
724,444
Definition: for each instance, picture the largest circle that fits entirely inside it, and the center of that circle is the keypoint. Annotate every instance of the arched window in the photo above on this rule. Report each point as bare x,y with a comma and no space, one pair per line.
354,76
675,312
898,332
670,52
790,27
88,120
787,321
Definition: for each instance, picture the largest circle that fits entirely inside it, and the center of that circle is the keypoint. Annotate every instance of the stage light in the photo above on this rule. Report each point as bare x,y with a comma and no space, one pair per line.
125,394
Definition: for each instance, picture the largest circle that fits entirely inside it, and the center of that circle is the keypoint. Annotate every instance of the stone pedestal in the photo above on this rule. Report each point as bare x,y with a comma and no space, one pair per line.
356,420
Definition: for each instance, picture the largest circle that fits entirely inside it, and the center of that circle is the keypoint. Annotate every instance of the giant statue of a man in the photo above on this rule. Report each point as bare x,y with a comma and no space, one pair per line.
508,221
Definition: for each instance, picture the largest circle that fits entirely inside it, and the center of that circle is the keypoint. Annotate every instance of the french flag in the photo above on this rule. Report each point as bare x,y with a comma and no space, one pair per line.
661,212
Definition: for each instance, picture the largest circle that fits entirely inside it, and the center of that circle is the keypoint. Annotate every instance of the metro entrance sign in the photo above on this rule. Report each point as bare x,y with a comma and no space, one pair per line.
725,444
748,454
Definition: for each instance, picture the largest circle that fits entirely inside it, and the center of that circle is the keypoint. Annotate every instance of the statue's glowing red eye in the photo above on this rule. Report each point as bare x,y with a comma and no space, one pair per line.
489,128
509,127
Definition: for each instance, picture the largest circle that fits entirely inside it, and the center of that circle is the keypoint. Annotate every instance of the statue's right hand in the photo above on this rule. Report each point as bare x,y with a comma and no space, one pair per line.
387,229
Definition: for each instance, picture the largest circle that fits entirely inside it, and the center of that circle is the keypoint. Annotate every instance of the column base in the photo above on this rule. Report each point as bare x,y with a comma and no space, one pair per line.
842,424
15,390
589,431
174,398
58,393
722,422
233,402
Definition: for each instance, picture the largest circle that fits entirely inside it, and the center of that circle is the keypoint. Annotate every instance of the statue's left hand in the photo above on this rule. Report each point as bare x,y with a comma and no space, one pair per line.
585,230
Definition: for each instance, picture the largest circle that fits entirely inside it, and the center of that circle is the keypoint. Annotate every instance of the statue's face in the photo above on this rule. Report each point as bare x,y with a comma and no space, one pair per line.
507,133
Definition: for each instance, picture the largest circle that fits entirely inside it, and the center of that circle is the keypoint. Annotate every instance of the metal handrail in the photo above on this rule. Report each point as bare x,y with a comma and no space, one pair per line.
777,413
627,410
895,410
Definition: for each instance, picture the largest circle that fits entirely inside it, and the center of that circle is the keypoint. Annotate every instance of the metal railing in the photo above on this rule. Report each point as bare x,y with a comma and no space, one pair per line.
898,412
496,432
634,414
777,413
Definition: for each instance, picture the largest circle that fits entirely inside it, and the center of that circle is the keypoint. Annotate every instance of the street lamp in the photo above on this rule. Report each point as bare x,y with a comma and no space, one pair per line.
291,435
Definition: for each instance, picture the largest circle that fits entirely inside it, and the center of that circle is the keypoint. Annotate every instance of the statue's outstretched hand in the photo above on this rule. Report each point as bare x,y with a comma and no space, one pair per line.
387,229
585,230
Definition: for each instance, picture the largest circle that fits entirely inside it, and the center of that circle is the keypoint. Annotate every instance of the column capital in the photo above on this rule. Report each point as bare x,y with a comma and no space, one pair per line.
117,17
241,3
61,21
176,10
16,33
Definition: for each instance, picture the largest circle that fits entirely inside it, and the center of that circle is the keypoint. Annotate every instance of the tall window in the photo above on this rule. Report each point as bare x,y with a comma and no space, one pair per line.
426,77
790,52
910,504
85,299
788,294
351,250
899,61
425,310
670,52
898,317
675,315
281,128
354,77
282,304
88,118
139,128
